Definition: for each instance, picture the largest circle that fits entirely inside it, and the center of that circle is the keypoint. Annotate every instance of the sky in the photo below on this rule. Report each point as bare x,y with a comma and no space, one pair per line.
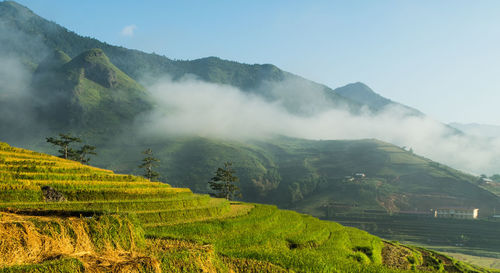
441,57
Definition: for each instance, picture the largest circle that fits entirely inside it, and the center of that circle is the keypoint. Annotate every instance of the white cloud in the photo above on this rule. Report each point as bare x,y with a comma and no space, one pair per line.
128,31
193,107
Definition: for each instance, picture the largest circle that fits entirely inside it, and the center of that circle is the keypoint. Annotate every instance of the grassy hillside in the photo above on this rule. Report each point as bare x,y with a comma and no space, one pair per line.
361,93
124,223
308,175
87,92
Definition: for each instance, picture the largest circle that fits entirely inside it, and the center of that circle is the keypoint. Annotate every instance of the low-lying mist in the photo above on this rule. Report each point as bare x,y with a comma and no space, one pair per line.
192,107
17,116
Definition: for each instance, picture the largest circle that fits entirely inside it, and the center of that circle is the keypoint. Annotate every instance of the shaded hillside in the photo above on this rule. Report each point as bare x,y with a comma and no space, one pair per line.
133,225
87,92
30,37
363,94
307,175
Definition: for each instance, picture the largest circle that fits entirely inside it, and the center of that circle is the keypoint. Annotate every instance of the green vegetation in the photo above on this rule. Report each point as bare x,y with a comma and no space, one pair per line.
60,266
148,163
95,97
137,64
224,182
65,142
310,176
84,152
129,224
87,93
93,92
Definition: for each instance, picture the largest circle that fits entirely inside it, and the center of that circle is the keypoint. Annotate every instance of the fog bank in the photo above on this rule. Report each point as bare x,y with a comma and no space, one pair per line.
192,107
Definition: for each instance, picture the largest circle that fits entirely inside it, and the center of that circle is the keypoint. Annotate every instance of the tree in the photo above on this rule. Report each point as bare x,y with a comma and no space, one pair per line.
81,155
66,151
224,182
64,141
148,163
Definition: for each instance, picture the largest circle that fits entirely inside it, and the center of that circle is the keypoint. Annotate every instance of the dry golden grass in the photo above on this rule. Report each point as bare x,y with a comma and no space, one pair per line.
35,239
22,243
25,242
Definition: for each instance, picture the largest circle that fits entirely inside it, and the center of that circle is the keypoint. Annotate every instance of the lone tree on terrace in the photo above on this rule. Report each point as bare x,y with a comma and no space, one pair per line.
224,183
148,163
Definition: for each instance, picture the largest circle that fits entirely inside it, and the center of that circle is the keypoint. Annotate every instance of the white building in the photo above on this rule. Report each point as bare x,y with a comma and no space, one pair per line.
458,213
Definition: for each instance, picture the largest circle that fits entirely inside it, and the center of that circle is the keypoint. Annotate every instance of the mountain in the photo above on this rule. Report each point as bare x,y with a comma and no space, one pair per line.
68,83
63,222
30,37
361,93
86,92
479,130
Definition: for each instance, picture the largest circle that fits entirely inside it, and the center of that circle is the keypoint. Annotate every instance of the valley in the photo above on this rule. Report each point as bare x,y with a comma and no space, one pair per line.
375,171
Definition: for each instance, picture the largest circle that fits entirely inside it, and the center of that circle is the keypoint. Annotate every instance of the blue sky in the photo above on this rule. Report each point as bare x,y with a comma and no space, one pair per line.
442,57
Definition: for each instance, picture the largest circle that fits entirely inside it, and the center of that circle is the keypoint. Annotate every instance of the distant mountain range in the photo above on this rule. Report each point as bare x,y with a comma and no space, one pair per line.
32,38
81,85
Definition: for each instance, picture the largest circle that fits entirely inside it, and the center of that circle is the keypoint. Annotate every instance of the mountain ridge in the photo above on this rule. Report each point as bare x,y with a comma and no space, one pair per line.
97,99
140,65
74,90
98,88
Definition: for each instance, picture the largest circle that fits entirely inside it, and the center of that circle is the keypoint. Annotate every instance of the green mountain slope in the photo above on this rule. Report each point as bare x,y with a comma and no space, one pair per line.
87,92
307,175
364,95
121,223
91,96
29,36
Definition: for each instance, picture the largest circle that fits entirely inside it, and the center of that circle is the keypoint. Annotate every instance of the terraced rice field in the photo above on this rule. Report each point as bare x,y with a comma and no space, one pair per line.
122,223
92,190
480,235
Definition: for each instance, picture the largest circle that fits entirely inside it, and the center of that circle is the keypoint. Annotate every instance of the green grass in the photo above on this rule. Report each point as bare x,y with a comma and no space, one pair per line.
305,175
59,266
286,239
178,230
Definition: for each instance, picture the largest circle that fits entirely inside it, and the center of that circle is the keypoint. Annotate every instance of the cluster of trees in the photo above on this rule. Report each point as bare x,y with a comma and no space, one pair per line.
66,142
223,183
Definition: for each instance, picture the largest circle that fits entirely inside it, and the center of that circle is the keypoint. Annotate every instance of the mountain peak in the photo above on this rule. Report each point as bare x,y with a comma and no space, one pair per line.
96,67
356,88
363,94
94,55
14,9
